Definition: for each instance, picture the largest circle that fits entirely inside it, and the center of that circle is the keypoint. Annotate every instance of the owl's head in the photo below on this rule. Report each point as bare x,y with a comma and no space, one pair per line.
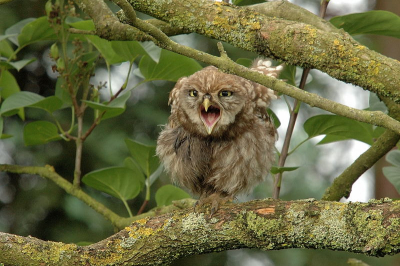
209,102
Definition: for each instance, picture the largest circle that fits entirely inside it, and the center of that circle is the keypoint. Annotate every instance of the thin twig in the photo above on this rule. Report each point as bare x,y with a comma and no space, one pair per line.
142,207
288,137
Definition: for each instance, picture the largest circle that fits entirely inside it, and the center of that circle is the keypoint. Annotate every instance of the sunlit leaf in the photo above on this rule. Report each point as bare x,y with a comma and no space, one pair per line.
36,30
277,170
144,155
171,66
169,193
120,182
378,22
40,132
338,128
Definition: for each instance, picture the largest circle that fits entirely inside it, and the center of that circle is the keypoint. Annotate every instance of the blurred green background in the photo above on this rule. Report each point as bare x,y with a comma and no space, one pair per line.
30,205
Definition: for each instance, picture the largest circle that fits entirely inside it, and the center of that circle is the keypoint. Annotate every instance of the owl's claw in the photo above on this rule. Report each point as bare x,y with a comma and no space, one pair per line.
214,200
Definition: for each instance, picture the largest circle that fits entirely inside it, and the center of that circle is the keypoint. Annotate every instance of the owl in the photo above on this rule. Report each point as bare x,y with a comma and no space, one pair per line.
219,140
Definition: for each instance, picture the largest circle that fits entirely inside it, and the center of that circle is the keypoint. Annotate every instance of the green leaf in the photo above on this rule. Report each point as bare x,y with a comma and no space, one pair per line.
144,155
120,182
165,195
128,50
6,49
276,170
244,62
274,118
40,132
22,99
393,175
16,65
8,84
171,67
49,104
375,104
106,50
246,2
62,93
13,31
289,74
37,30
114,108
18,100
83,25
372,22
338,128
393,157
8,87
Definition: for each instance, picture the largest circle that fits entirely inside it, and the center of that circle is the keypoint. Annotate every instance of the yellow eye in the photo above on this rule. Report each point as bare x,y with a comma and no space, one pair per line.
193,93
225,93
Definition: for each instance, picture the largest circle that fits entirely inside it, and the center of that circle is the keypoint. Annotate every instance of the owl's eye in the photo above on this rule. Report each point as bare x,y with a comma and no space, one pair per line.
225,93
193,93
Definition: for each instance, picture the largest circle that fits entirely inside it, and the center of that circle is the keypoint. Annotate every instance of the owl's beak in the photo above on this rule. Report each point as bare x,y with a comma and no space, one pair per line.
209,115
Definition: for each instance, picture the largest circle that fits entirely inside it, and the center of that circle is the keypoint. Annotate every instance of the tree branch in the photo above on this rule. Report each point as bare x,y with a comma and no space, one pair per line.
335,53
110,24
341,186
366,228
48,172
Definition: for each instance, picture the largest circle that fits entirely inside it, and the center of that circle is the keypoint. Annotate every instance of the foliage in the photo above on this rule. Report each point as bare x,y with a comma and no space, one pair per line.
77,53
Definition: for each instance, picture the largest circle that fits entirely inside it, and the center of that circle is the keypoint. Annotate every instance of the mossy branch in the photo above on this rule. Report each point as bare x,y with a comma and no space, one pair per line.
266,224
296,43
341,186
105,29
117,221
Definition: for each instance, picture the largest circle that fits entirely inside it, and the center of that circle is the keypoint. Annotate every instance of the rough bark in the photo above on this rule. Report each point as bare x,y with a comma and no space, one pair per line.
297,43
369,228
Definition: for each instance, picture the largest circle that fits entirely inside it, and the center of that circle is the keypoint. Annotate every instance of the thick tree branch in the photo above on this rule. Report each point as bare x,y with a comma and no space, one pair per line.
337,54
105,29
369,228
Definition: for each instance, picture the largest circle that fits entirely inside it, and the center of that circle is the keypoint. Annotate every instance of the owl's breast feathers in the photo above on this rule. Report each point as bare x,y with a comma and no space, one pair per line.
209,165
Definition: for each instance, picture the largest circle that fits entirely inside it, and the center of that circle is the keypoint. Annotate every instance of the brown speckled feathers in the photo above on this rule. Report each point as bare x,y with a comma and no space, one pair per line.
219,140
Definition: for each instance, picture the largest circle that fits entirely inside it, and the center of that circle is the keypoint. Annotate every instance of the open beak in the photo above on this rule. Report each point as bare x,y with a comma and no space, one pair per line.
209,114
